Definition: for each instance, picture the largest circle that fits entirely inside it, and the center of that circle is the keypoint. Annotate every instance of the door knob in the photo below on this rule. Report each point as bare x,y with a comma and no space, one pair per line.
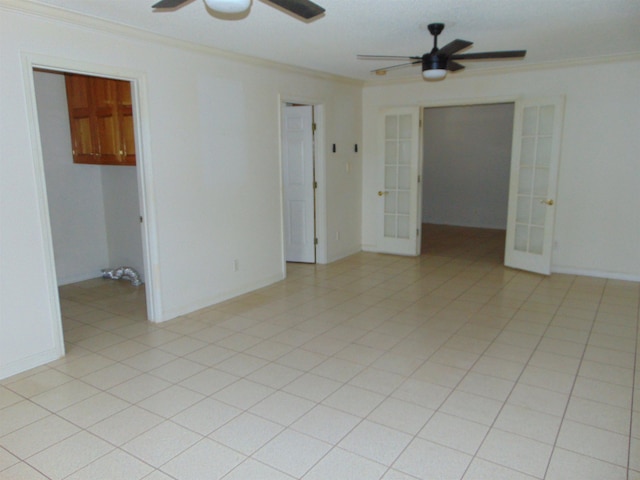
381,193
547,202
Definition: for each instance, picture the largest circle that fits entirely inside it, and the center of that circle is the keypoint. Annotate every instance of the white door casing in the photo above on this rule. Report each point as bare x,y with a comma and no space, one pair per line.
398,196
298,184
537,134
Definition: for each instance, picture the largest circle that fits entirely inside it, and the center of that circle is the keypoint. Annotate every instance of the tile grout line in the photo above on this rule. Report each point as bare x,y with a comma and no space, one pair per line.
575,379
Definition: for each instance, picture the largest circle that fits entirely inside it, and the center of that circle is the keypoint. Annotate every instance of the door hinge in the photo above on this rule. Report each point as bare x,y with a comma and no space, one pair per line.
419,177
141,220
313,127
417,232
315,241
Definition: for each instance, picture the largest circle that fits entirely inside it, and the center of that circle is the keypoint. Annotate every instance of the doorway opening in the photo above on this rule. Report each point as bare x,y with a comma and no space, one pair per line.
93,200
466,174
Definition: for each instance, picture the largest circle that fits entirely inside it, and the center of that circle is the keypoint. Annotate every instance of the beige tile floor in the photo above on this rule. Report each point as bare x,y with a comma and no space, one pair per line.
448,366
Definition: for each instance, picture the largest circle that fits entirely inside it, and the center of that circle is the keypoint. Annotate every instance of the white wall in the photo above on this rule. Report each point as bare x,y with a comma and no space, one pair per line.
344,167
210,159
597,229
122,218
466,159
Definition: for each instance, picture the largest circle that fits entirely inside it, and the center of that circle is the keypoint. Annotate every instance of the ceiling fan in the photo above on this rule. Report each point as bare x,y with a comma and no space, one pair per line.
436,63
302,8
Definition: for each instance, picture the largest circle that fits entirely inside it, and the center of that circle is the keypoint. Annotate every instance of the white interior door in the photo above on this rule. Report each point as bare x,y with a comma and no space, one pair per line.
535,157
398,194
298,181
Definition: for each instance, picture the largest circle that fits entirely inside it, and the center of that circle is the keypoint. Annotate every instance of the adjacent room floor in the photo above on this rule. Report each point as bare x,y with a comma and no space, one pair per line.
448,366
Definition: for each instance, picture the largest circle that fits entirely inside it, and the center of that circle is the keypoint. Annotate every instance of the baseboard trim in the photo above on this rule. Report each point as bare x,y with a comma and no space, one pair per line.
210,301
629,277
28,363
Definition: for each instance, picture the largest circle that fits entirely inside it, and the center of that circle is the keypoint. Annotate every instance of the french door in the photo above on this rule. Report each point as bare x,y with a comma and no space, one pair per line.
398,192
535,158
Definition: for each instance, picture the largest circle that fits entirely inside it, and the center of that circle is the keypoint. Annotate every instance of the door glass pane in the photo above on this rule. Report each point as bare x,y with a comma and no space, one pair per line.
391,126
404,152
403,202
530,121
390,152
390,203
390,226
546,120
538,212
404,130
403,226
523,209
541,182
527,151
536,239
522,235
543,152
525,181
404,178
390,178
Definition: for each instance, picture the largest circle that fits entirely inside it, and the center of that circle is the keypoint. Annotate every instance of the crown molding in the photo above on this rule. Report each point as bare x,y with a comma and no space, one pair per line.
33,8
535,67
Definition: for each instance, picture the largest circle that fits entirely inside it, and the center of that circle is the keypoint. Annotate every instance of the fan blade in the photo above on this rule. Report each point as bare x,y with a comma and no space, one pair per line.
489,55
394,67
453,47
301,8
168,3
387,57
454,66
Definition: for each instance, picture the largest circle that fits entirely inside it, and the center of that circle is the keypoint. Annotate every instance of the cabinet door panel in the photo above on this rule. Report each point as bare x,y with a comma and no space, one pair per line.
105,93
125,118
83,140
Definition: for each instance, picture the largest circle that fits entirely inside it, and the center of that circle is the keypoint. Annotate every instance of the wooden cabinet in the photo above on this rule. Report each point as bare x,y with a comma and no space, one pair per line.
101,117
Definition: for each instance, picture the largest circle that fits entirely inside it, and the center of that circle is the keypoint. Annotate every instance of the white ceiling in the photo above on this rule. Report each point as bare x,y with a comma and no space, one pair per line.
550,30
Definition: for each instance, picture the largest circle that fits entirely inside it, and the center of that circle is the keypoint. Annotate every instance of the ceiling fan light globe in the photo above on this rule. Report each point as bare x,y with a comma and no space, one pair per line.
228,6
434,74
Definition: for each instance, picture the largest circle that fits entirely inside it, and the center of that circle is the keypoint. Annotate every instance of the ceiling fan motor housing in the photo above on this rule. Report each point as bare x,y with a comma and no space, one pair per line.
432,61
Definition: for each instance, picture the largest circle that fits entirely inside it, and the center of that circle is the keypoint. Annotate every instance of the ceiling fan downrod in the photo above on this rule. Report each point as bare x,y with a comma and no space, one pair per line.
435,29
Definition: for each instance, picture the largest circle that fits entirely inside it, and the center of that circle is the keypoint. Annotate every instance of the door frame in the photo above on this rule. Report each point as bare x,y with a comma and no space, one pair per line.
320,174
143,170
